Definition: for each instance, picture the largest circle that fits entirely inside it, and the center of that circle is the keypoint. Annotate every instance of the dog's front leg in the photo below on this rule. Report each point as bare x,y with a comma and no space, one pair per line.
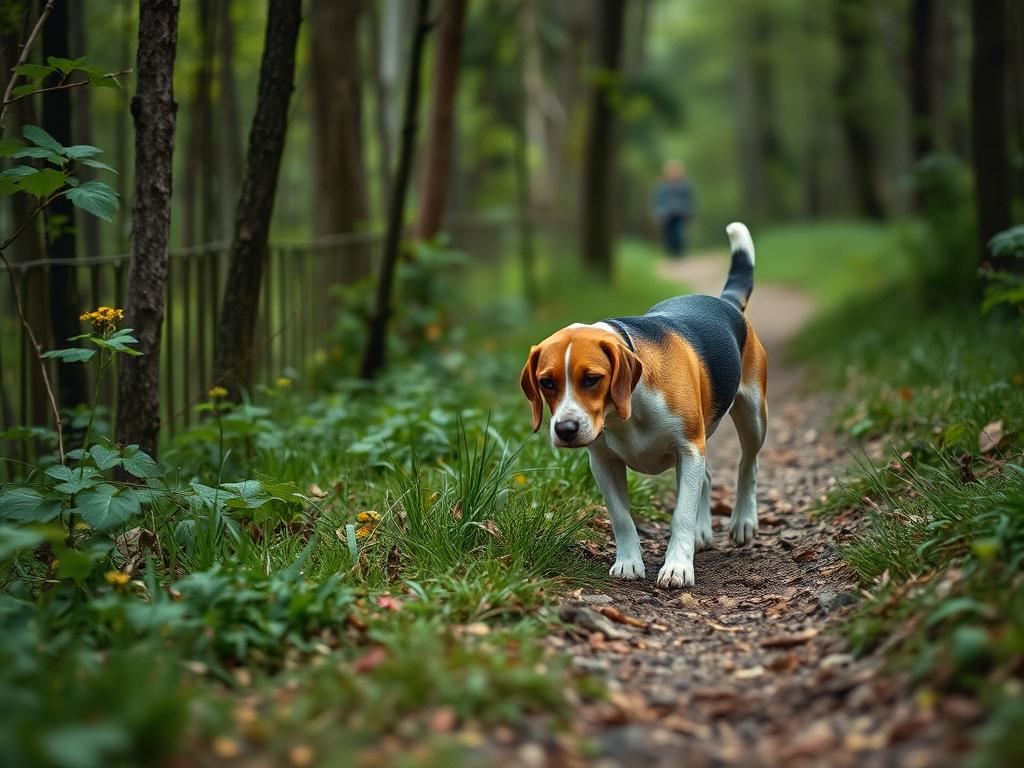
678,568
610,473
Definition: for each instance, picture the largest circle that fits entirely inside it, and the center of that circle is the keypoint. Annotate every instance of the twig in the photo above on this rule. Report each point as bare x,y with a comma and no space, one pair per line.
62,86
36,346
22,58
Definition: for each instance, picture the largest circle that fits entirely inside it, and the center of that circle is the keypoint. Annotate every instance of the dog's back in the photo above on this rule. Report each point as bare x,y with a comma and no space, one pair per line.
714,327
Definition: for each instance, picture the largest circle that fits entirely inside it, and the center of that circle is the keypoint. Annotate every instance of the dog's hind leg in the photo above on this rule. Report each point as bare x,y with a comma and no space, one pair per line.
705,536
750,415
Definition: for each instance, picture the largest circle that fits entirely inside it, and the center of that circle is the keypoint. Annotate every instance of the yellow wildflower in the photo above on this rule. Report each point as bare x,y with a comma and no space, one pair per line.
284,382
520,479
363,531
369,516
103,318
117,578
217,392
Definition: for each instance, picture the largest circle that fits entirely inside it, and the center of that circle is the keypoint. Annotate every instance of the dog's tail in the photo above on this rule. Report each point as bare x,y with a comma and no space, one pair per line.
740,282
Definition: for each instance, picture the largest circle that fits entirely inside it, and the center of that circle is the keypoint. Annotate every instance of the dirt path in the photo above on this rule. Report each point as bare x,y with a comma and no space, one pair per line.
746,668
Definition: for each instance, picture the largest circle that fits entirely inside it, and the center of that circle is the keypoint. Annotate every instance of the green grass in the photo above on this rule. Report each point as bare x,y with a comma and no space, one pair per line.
831,261
941,548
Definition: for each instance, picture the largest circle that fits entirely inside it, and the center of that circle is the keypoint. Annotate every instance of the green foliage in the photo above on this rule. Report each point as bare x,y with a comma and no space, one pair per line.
94,197
943,541
1006,288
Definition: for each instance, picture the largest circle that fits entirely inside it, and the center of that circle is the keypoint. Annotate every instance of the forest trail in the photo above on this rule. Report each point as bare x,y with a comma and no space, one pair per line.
746,668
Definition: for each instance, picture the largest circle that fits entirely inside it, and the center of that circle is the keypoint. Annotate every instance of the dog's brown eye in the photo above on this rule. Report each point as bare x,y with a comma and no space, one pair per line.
591,380
547,383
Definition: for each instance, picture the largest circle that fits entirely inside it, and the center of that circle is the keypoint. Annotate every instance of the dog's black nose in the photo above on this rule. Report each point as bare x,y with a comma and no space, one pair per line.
567,429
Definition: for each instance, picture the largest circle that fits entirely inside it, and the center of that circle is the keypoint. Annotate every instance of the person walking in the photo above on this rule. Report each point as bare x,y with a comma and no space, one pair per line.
673,207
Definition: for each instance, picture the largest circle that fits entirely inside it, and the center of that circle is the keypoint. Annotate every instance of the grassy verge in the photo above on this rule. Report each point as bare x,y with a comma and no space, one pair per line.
937,393
367,571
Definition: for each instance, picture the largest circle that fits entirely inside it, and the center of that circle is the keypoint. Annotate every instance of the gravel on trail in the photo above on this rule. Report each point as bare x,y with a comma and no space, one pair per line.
748,667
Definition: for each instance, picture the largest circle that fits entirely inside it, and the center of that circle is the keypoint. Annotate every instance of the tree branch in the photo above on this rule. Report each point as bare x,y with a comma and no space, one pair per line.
22,58
36,346
62,86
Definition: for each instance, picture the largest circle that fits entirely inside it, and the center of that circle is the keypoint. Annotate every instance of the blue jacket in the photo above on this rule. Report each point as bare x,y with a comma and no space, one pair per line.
673,198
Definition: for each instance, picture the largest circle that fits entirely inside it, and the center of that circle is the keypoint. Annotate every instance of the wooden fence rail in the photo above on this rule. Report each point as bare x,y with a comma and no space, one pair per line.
297,308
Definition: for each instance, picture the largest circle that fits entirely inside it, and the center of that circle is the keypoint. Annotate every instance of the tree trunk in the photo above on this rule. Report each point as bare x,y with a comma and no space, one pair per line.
989,140
375,354
65,306
153,110
82,127
121,124
922,62
851,20
233,358
339,177
15,23
199,203
598,234
381,101
528,60
209,224
232,157
441,123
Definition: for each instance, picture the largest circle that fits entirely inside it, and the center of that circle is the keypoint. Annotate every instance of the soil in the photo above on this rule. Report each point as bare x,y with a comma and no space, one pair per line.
749,666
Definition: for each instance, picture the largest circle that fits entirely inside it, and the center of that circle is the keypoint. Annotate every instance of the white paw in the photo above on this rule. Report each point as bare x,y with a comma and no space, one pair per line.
676,574
705,540
742,529
628,568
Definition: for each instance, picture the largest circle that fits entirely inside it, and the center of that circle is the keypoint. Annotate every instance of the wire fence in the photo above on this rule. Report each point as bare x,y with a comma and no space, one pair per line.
297,308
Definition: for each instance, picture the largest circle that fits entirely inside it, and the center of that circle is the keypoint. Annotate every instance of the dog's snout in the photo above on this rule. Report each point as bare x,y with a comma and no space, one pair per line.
567,429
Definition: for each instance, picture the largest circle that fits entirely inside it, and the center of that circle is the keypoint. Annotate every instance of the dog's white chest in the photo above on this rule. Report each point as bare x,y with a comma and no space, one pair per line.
650,440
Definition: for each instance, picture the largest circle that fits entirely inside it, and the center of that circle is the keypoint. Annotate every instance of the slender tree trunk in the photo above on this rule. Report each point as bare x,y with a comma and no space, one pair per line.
30,246
441,123
381,99
375,354
65,306
232,156
121,123
527,251
598,235
209,230
236,326
336,154
851,19
82,126
154,111
534,101
989,120
922,62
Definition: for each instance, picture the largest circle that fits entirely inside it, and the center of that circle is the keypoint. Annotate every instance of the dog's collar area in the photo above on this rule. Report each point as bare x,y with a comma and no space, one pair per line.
621,330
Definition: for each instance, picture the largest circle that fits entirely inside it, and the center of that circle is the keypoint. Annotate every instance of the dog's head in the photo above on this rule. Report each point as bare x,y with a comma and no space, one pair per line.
580,371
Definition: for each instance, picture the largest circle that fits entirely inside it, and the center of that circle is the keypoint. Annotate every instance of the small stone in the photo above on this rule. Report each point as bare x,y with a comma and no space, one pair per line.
596,599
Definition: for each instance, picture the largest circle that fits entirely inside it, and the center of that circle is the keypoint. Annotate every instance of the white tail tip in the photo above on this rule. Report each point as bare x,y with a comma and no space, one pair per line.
739,238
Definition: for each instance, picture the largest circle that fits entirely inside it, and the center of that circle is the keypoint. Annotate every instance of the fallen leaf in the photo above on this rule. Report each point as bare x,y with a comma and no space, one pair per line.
301,755
906,394
316,491
990,436
388,603
442,720
225,748
619,617
370,660
788,641
723,628
689,601
784,663
806,554
750,673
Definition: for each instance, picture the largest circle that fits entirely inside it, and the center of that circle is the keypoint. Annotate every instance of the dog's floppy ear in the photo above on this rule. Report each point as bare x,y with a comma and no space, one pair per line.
528,381
626,372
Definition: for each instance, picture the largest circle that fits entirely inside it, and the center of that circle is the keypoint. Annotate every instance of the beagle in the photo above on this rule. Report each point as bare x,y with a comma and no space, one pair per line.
646,392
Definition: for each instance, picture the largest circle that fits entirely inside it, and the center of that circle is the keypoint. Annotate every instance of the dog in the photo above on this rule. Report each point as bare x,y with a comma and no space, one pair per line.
646,392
